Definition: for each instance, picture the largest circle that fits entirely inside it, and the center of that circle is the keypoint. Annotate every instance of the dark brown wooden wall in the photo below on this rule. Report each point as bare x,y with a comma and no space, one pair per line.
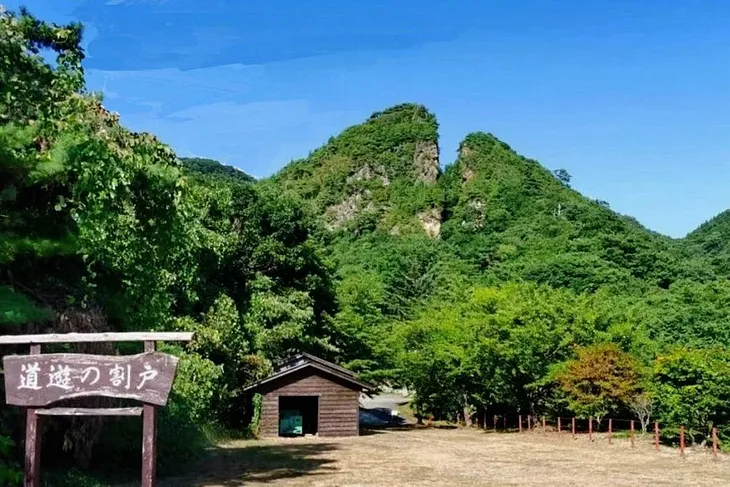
339,407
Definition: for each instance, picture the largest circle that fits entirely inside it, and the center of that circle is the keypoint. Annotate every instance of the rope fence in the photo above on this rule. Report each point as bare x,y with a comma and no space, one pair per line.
607,429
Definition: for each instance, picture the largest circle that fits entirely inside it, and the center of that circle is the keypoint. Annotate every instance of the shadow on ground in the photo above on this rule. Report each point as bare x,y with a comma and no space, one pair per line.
235,466
376,418
376,430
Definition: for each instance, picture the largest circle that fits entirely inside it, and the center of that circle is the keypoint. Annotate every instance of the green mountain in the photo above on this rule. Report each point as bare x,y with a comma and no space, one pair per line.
712,239
381,174
501,213
212,167
510,215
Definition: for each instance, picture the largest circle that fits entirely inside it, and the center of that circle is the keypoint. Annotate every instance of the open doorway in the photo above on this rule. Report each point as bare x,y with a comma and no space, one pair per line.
298,415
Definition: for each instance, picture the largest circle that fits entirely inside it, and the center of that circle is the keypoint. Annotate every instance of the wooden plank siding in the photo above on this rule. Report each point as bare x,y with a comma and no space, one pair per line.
339,406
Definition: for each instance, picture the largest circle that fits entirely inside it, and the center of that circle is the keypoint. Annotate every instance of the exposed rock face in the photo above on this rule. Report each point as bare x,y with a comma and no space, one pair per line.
431,222
339,214
467,173
476,203
426,162
367,172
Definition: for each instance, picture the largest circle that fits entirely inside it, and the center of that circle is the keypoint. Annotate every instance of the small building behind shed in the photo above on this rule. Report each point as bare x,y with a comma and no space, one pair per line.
307,395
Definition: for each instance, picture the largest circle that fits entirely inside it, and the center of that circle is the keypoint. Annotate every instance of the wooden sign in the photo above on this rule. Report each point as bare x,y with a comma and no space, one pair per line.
40,380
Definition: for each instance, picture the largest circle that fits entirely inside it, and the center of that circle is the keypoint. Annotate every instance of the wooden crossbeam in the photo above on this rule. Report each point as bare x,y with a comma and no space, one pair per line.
89,412
97,337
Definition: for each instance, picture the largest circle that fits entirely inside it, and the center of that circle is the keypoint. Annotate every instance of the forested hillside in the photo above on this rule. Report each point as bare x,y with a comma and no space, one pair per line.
712,239
380,174
490,284
198,165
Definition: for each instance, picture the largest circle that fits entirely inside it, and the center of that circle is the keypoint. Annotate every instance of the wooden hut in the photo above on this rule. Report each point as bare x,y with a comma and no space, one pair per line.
321,398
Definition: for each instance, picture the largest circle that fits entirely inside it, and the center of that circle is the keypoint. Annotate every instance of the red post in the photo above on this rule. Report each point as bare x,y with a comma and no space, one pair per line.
632,433
558,424
590,428
572,426
149,437
519,420
681,440
714,441
610,429
529,423
484,423
32,441
656,436
543,424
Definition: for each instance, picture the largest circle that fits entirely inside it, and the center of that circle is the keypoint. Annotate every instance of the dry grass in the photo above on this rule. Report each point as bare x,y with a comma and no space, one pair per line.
456,457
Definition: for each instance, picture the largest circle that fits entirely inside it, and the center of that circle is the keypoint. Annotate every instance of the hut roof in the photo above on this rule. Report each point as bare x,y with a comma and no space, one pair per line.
302,361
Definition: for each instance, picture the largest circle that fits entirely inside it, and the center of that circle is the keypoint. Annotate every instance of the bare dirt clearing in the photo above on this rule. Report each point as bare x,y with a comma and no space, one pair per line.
452,457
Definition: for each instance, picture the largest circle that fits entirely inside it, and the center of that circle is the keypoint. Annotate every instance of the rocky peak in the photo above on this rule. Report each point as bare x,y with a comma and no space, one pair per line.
368,172
431,222
372,167
338,215
426,161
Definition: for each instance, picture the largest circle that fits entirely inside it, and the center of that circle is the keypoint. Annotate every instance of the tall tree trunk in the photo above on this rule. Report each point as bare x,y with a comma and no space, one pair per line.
467,414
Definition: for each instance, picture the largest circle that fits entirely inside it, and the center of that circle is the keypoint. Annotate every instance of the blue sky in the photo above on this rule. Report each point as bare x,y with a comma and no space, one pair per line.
630,97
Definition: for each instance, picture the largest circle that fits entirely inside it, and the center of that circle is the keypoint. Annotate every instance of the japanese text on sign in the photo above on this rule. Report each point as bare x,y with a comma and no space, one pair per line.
62,376
42,379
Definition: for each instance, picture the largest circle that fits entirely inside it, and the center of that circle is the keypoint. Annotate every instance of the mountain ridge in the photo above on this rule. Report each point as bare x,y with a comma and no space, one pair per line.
293,170
502,212
380,174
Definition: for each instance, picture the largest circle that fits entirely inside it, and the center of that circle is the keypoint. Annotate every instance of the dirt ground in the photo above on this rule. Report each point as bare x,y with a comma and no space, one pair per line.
453,457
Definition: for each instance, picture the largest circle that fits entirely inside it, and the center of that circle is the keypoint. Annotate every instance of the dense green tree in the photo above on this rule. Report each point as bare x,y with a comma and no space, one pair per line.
692,390
501,345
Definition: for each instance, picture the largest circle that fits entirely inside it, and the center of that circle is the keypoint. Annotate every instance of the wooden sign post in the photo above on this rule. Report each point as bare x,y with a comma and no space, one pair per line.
37,380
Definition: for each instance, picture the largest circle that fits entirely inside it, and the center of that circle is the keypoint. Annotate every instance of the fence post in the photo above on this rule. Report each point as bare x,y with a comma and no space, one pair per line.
714,441
632,433
656,436
504,422
149,436
484,422
495,422
529,422
519,420
610,429
572,426
543,424
590,428
558,424
32,441
681,440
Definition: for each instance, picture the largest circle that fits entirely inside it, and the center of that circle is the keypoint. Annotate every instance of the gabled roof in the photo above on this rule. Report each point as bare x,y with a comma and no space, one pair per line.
304,360
303,357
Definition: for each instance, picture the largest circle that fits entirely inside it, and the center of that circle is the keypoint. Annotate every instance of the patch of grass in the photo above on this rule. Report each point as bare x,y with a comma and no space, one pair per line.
17,309
73,478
